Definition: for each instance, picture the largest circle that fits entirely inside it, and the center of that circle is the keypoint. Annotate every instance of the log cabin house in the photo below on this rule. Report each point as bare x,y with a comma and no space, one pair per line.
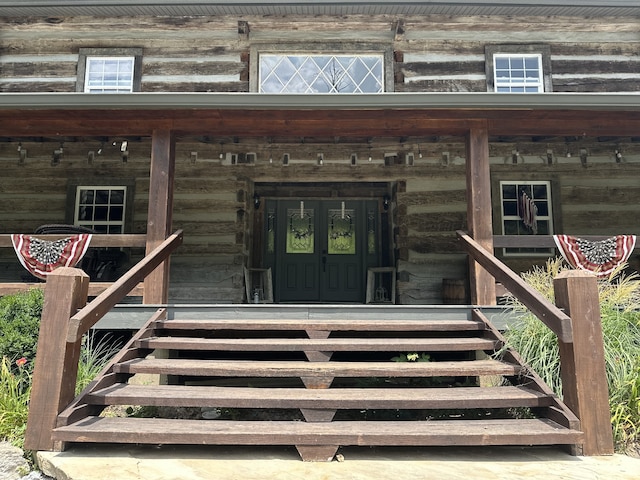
318,153
383,152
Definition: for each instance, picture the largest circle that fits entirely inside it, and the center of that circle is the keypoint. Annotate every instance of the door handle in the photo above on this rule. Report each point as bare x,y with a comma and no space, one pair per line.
324,263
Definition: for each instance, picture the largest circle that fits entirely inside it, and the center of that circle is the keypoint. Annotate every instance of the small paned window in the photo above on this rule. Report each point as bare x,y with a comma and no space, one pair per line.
109,75
518,73
109,70
101,208
344,73
525,209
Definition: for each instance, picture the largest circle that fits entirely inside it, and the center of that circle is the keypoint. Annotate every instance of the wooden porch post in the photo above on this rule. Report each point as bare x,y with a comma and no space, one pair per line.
159,218
582,366
483,286
56,368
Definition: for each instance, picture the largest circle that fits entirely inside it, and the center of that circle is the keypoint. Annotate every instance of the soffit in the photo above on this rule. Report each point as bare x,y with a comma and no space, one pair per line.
61,8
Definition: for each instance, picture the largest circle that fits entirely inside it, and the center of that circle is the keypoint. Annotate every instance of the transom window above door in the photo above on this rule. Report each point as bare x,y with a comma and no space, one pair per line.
321,73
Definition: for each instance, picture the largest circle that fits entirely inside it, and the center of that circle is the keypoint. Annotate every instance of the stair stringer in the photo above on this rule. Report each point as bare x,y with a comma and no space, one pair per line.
558,411
80,408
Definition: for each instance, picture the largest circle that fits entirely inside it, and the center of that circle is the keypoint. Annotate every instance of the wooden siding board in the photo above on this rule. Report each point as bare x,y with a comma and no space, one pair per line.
195,87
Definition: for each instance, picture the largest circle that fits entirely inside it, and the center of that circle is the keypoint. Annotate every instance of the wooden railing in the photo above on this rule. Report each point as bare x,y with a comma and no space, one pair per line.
97,241
65,318
575,319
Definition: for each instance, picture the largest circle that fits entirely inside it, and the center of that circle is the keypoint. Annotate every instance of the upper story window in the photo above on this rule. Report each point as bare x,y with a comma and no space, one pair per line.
526,209
518,73
109,75
101,208
522,68
319,73
109,70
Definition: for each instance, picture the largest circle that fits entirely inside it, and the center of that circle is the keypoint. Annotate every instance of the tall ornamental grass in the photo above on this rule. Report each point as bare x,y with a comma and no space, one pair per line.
620,310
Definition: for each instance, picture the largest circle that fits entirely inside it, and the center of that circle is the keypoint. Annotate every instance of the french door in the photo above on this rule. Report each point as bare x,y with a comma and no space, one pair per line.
320,250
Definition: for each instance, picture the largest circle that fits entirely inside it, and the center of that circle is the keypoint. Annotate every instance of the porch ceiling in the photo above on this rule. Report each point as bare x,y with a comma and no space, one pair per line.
579,8
356,116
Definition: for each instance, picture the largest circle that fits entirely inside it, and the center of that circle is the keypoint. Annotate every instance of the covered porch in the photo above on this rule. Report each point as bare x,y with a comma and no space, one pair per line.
359,122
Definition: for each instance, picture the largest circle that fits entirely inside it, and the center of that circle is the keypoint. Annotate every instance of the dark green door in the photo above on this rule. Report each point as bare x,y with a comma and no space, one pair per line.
322,249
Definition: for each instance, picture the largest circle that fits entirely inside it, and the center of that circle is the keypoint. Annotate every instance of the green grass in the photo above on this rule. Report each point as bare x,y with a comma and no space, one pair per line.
15,388
619,296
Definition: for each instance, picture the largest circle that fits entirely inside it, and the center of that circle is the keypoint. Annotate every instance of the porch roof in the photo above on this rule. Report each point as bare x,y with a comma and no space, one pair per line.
579,8
248,114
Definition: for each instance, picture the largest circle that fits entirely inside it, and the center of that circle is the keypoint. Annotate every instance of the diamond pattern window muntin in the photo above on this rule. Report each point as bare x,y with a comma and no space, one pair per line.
321,73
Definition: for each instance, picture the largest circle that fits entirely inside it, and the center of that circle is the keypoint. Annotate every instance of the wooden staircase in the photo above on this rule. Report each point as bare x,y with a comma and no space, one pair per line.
322,377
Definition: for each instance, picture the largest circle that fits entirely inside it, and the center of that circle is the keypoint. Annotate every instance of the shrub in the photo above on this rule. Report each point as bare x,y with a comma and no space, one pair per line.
619,296
19,325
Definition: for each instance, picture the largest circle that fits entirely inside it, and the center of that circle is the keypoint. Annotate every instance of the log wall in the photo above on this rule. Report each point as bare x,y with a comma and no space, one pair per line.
213,197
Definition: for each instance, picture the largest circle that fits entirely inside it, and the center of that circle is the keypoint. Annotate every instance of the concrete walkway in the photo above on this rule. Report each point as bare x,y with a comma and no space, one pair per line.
99,462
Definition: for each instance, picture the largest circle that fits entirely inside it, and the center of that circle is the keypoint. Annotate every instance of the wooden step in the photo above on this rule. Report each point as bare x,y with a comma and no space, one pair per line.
333,398
329,344
323,324
375,433
246,368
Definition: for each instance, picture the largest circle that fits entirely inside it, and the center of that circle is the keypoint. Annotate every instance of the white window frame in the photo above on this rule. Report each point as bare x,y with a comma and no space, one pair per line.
524,82
102,88
526,252
128,52
101,224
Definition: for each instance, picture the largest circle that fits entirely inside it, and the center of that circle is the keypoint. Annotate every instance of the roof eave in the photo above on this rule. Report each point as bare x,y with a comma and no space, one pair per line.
579,8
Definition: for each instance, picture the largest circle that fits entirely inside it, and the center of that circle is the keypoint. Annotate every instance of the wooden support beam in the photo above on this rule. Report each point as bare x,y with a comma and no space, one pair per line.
582,364
483,289
56,368
159,217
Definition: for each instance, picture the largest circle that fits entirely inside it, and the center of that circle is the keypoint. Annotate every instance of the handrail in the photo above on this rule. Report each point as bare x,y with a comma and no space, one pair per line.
554,318
88,316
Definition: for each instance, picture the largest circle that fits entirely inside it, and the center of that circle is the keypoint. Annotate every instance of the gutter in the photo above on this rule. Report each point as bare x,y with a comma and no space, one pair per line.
260,101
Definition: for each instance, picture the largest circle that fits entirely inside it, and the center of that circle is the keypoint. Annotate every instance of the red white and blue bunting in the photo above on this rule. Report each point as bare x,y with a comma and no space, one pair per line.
41,257
600,257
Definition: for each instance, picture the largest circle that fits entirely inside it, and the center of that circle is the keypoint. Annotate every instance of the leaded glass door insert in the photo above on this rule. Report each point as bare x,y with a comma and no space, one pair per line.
300,230
341,231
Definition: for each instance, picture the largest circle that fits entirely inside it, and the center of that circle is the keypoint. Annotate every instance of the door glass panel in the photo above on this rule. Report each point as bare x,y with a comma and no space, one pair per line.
341,232
271,231
371,232
300,235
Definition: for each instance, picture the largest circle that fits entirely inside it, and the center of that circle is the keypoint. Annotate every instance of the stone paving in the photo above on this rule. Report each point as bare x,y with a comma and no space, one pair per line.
98,462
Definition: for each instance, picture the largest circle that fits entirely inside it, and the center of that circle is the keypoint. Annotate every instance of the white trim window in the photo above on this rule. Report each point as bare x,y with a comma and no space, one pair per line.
518,73
526,209
101,208
321,73
109,74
